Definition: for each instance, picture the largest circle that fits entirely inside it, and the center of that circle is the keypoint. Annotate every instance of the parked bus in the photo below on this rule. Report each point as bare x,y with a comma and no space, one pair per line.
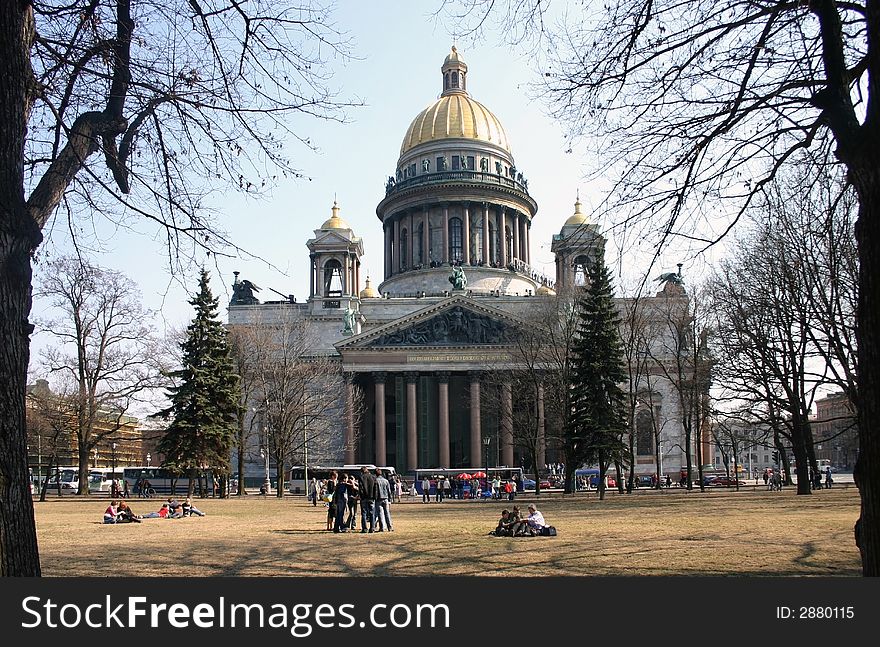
160,480
296,477
101,478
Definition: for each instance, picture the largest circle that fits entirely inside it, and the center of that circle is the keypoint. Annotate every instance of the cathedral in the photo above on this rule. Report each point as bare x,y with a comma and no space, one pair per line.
419,347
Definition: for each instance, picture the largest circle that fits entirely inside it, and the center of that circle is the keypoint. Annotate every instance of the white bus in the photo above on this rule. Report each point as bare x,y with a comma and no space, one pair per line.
160,481
296,477
101,478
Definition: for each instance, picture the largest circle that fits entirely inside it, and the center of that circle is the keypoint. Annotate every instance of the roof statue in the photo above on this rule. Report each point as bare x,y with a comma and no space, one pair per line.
671,277
457,278
348,322
243,293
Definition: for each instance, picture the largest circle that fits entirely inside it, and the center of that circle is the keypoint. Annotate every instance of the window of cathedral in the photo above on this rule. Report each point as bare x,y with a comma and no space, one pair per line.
644,433
456,163
441,163
456,249
404,245
581,265
470,162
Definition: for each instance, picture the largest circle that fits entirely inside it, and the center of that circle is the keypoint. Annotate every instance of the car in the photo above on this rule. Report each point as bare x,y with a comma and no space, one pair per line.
644,480
725,481
528,484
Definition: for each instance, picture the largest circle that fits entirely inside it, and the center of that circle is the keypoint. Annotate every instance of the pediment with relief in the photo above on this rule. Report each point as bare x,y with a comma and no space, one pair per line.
454,327
454,324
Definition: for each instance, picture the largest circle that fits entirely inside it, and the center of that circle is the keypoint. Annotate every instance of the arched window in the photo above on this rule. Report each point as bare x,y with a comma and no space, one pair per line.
332,278
644,433
455,79
581,265
456,250
404,245
420,244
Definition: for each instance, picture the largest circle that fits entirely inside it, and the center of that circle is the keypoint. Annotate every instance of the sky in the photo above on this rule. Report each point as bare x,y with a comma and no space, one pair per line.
399,48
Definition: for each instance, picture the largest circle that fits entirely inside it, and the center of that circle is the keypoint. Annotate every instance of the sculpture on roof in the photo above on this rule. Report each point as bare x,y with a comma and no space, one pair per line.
458,279
243,293
348,322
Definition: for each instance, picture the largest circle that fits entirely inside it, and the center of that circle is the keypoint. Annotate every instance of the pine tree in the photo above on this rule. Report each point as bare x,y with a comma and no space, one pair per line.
598,421
206,396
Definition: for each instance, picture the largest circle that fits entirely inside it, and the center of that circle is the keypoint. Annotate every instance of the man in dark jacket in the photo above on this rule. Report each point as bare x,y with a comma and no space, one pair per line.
369,491
340,500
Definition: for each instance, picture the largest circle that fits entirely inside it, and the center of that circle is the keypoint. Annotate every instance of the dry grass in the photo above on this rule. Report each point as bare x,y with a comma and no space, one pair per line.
751,533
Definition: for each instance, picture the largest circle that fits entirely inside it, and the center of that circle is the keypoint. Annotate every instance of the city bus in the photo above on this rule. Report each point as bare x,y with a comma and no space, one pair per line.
296,477
161,480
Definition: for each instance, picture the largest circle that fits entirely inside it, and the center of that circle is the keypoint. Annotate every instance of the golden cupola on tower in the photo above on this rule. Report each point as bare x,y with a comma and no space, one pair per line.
455,115
334,221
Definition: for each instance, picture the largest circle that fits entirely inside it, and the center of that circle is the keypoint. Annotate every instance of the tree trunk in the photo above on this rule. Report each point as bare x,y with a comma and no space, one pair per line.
867,529
19,237
241,448
279,478
83,453
44,486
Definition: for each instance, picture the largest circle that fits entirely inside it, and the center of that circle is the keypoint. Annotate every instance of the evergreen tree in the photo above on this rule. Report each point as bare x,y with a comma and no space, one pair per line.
598,421
206,396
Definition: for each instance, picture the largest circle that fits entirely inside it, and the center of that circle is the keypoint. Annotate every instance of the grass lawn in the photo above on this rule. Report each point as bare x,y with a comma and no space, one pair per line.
749,533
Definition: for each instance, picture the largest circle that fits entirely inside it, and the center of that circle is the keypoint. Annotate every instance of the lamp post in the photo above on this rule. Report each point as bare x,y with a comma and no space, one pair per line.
113,468
487,441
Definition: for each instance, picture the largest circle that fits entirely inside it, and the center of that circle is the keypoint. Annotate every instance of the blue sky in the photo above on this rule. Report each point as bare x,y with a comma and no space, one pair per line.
399,49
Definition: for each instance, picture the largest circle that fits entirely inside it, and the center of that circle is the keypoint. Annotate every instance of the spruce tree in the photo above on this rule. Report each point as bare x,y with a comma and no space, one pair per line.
205,399
598,421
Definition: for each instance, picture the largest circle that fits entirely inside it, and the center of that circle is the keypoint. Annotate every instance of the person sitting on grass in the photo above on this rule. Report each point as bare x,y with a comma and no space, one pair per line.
111,512
124,514
189,509
504,525
531,525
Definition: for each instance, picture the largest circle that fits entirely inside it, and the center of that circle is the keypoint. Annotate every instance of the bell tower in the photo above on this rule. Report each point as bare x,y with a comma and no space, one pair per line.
577,245
334,267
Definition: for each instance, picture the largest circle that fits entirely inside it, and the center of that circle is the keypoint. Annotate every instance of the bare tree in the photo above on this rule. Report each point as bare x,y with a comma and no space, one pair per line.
299,397
704,101
179,99
787,307
105,348
49,419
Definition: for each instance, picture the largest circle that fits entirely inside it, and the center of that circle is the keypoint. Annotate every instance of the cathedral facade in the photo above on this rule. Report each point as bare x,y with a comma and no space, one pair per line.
427,349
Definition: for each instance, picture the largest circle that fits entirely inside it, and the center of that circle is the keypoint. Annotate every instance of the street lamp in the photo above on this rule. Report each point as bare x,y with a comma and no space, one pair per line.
487,441
113,468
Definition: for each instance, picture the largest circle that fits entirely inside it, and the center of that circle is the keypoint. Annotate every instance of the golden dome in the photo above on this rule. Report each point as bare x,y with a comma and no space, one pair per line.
369,292
544,291
455,116
335,222
577,218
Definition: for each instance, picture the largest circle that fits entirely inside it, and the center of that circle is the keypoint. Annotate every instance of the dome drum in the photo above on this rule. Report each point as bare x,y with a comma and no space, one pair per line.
480,280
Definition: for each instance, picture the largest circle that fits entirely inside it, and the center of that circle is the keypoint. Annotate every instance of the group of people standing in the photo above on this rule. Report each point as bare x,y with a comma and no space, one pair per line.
344,493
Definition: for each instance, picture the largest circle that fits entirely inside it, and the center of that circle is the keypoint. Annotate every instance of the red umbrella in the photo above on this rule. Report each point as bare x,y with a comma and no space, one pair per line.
465,475
478,475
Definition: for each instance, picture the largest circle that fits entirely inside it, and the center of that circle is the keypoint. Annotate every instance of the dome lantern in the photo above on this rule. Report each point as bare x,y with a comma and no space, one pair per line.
454,71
